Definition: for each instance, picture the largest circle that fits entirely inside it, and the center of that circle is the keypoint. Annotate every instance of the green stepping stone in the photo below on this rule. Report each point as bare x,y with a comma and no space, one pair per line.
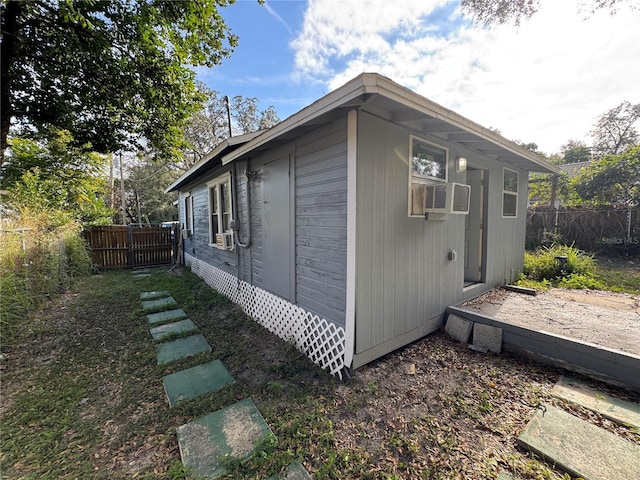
579,447
141,275
141,271
295,471
158,304
152,295
573,390
181,348
196,381
166,316
163,331
233,431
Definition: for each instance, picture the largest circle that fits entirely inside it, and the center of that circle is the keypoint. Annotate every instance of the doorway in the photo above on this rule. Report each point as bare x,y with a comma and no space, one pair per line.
276,242
475,231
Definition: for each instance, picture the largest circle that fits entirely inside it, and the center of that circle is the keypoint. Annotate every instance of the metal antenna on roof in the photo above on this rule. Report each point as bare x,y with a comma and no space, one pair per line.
226,101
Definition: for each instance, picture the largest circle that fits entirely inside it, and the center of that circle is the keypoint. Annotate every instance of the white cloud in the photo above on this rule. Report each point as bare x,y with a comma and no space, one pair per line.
546,81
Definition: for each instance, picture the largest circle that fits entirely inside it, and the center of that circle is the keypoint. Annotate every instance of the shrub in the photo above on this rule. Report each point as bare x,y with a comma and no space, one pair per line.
543,267
39,257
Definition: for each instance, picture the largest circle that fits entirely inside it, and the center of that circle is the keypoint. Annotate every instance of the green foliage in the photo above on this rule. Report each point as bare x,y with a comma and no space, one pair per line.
145,186
619,275
542,268
114,73
38,258
53,175
541,185
575,151
613,179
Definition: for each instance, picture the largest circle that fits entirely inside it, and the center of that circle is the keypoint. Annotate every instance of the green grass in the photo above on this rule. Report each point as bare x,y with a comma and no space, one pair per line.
542,271
83,397
619,275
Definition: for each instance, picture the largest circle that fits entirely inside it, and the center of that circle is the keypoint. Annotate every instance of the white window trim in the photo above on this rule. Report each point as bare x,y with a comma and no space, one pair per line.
422,179
508,192
426,179
222,179
188,221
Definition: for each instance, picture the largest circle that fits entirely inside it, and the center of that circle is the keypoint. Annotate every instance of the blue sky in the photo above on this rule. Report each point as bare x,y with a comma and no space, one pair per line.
545,81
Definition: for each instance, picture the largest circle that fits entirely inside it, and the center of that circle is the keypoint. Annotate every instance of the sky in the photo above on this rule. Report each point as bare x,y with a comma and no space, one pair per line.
545,81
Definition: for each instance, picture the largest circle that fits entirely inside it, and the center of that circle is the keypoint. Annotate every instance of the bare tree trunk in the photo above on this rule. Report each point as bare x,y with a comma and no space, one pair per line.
8,52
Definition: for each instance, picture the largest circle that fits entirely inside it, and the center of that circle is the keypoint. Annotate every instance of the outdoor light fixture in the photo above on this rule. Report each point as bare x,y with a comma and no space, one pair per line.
461,164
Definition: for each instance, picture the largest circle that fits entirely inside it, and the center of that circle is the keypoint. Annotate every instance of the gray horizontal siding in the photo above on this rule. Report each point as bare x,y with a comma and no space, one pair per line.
198,244
404,279
321,221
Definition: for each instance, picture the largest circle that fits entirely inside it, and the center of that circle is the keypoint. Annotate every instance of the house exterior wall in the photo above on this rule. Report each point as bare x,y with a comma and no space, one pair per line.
405,280
321,221
197,245
312,315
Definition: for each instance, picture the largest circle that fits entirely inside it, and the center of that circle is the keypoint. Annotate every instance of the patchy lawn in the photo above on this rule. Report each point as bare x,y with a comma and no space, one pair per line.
82,397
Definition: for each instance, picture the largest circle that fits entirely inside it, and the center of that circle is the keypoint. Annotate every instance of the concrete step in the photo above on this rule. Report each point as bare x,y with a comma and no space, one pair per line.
159,304
166,316
162,331
181,348
155,294
294,471
196,381
232,432
579,447
578,392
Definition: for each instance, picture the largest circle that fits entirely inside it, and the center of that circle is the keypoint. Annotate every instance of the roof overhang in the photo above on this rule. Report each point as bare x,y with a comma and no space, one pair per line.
211,160
376,94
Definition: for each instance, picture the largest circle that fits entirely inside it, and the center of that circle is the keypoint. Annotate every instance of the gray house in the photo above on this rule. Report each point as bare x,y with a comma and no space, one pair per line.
352,225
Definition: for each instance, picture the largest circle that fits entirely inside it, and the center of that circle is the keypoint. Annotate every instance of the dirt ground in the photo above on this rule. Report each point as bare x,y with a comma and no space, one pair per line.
607,319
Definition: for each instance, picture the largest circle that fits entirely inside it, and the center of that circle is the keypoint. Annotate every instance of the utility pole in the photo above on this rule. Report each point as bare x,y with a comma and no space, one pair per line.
122,200
112,193
226,101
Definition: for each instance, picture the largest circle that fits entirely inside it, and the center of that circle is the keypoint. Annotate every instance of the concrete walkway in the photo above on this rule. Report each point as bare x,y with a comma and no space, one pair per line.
231,432
581,448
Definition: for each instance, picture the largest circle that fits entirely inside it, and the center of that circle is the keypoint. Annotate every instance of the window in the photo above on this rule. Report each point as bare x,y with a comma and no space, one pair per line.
188,213
220,212
509,193
428,161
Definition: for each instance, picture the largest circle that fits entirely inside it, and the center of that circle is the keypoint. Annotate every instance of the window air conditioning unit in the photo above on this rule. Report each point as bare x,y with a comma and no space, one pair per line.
447,198
225,240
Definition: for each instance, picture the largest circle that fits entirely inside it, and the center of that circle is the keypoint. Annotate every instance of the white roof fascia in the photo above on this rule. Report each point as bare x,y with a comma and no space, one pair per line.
338,97
367,83
227,142
403,95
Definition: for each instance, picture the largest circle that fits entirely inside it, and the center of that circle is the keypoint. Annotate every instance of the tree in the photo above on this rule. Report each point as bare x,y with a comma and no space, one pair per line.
145,197
55,176
113,73
575,151
616,130
209,126
612,179
490,12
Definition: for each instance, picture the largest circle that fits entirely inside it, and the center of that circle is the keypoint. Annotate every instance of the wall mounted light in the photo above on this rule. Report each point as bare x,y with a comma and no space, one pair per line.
461,164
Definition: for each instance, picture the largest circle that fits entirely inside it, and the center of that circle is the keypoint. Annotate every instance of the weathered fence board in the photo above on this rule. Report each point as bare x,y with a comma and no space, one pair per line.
118,246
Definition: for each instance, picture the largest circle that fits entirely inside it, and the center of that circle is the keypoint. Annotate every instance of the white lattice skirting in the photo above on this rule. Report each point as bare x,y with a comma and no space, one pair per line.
322,341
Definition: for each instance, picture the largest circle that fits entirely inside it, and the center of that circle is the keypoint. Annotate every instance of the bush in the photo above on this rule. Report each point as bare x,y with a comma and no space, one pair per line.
39,257
545,268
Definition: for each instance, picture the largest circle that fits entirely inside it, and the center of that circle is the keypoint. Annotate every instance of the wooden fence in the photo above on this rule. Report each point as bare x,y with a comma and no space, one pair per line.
118,246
